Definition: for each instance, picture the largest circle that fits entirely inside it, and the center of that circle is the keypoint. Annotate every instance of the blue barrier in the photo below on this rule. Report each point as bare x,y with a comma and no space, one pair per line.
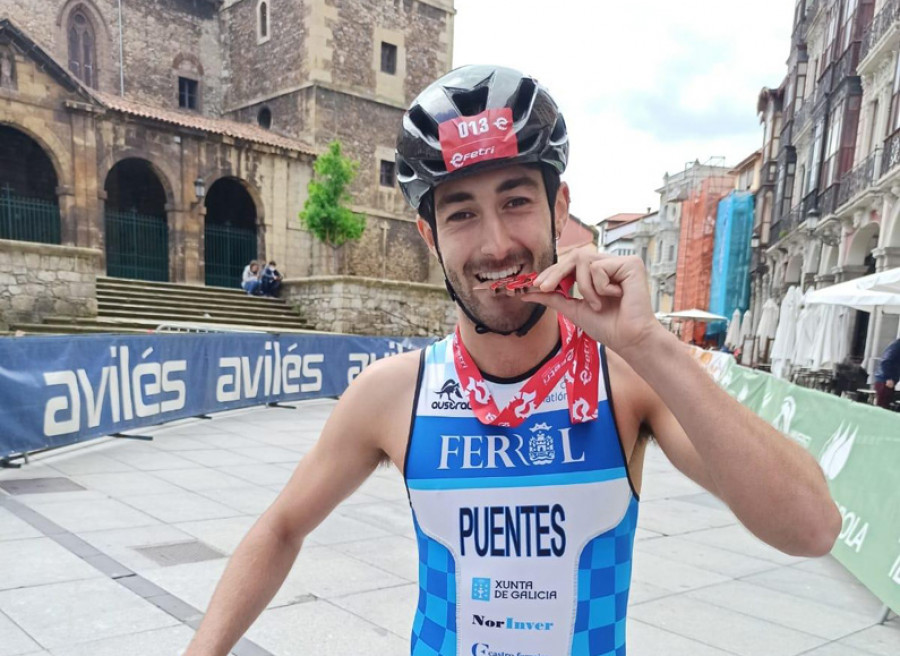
56,391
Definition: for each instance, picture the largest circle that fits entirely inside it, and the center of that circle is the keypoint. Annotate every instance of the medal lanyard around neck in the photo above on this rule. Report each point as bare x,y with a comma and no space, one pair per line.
578,360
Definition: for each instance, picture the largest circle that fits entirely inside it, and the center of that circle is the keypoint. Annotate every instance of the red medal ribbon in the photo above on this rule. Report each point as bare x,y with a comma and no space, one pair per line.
578,360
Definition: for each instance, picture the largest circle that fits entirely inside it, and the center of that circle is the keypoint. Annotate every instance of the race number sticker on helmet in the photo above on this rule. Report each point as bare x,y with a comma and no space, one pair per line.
467,140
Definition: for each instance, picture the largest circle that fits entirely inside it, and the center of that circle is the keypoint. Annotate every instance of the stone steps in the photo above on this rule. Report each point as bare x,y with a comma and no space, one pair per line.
138,306
205,316
109,307
261,305
136,287
68,325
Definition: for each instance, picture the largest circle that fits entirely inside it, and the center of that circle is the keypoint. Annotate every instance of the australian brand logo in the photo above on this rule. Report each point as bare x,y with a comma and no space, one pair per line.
509,451
450,397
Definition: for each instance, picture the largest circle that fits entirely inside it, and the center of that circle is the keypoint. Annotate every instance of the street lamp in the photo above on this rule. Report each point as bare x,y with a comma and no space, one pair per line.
199,189
812,220
754,242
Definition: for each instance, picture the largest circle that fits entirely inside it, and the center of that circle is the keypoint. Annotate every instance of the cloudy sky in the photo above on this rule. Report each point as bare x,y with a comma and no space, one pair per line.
646,86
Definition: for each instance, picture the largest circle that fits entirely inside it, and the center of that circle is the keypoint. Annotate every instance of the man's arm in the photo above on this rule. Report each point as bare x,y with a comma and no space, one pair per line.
348,450
773,486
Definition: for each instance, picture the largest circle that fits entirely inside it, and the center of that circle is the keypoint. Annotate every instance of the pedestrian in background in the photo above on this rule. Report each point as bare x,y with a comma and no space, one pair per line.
887,374
250,280
271,280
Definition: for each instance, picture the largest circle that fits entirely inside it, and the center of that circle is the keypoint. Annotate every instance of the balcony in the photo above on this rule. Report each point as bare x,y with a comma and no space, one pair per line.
809,204
787,131
787,224
825,84
828,201
803,115
768,173
880,25
859,179
846,65
891,153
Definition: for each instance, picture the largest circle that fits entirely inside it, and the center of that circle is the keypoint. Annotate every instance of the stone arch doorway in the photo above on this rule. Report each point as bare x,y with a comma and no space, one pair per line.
230,237
29,210
137,233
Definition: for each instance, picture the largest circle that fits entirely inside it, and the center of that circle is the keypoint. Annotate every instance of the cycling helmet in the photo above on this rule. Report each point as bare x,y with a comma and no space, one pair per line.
474,119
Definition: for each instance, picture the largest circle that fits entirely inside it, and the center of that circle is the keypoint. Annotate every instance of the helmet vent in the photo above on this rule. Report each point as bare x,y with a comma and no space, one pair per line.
470,103
528,143
559,130
423,122
434,166
524,97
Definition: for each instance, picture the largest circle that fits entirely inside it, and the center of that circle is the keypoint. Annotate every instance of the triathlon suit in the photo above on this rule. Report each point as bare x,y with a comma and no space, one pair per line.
525,534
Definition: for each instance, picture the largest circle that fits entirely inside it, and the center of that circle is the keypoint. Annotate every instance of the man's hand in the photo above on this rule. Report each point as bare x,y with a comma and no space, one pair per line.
615,305
890,384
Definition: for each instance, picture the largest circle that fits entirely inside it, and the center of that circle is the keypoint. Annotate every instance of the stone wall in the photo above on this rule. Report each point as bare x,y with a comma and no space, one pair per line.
43,280
161,40
264,68
367,306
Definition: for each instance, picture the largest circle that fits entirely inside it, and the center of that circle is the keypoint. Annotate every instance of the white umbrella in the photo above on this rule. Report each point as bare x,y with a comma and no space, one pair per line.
768,321
785,335
696,314
746,327
851,294
734,330
832,335
886,281
805,337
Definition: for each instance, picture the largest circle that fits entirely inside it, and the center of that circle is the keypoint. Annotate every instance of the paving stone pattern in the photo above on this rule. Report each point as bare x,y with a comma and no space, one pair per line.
127,564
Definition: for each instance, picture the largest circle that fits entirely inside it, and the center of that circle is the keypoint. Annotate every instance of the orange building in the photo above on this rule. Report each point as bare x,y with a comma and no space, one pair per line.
695,250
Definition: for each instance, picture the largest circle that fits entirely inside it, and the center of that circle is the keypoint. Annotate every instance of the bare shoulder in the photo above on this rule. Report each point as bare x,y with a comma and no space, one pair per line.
380,402
387,378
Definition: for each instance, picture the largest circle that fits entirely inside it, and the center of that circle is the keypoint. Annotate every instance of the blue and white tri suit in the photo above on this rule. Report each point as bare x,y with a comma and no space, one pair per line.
525,534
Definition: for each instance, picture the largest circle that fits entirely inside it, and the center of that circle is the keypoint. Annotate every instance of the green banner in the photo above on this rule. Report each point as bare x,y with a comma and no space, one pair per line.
858,448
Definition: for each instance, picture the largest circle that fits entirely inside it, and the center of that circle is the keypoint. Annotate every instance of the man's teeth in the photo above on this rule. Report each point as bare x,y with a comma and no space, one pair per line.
499,275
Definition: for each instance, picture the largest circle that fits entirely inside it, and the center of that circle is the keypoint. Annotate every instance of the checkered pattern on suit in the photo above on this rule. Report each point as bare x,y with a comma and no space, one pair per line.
604,576
434,627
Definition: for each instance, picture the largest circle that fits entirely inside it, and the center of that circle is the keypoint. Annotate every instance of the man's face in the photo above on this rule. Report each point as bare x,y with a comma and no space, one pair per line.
492,225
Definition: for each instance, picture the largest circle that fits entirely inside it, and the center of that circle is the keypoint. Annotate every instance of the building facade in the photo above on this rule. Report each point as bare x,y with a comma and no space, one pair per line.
658,234
177,137
836,208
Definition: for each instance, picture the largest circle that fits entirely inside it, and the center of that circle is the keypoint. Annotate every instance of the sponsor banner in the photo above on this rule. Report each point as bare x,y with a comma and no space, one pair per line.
858,448
60,390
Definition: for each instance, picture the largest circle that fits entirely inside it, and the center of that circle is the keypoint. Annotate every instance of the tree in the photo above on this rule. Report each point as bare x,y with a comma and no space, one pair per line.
325,213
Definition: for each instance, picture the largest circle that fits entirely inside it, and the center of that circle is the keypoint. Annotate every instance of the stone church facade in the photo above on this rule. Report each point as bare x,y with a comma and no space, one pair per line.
177,137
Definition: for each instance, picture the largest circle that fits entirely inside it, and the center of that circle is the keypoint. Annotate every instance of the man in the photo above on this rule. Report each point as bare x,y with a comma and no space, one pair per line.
887,374
523,470
250,281
271,280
